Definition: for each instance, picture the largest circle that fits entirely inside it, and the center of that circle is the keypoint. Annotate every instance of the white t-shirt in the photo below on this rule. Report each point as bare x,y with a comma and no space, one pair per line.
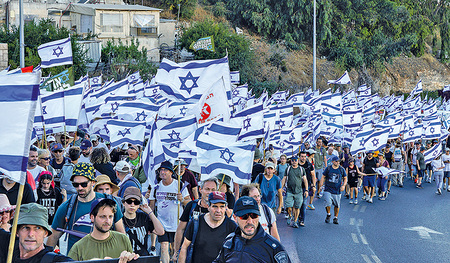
263,219
36,171
83,159
437,164
446,157
166,202
100,144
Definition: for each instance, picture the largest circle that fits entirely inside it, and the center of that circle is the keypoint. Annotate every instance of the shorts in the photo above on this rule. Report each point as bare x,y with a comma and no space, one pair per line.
293,200
420,173
446,174
369,181
331,199
167,237
319,173
353,183
381,183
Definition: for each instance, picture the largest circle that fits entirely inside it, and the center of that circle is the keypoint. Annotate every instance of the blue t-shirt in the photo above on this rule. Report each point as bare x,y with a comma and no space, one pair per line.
82,222
329,157
333,179
281,170
130,182
269,190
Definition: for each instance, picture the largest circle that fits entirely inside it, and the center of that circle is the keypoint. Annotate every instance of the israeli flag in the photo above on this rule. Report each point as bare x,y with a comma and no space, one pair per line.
417,89
137,110
224,131
344,79
73,98
377,140
56,53
125,132
18,98
433,152
232,159
53,109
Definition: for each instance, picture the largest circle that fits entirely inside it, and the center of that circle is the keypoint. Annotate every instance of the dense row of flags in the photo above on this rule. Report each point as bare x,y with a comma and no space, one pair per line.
197,112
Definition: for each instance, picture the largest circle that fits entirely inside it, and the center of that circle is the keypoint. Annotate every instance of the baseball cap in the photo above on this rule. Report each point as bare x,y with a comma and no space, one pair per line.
57,147
246,205
334,158
94,137
217,197
51,138
34,214
85,144
293,158
183,162
100,202
422,148
416,142
132,192
122,167
270,165
311,151
447,149
84,169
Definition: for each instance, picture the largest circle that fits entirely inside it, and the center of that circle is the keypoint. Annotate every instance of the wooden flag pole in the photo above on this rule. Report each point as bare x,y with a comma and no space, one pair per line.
14,226
179,191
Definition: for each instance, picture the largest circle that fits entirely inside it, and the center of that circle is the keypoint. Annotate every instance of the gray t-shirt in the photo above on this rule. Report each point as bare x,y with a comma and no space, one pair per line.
421,160
295,179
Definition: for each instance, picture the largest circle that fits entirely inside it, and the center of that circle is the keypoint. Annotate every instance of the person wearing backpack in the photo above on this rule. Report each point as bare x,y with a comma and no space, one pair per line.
123,173
335,179
206,234
63,178
295,175
270,186
268,218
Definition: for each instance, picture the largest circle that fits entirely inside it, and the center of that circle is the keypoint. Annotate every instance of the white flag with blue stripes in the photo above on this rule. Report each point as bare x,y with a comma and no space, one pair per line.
344,79
219,156
126,132
56,53
18,98
72,105
53,109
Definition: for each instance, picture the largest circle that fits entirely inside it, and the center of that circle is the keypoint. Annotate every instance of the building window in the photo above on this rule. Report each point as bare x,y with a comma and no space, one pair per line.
86,24
145,24
111,23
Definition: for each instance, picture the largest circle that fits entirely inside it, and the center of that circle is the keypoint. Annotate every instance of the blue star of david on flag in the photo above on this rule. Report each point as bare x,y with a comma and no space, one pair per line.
247,123
174,135
325,110
375,142
352,118
184,81
124,132
44,110
291,137
333,119
183,111
114,106
282,123
361,142
226,152
432,129
105,127
139,115
411,133
175,144
235,92
58,51
294,99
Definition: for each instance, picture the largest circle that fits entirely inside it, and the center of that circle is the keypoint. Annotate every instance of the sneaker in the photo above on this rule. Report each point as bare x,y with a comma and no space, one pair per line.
289,221
327,220
319,195
419,186
429,181
445,187
370,200
400,185
335,221
364,198
351,201
438,192
382,198
347,196
448,189
356,201
295,225
286,216
311,207
301,223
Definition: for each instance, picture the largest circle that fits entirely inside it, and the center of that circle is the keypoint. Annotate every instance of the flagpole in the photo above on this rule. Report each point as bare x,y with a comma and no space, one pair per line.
44,138
12,239
179,190
21,35
314,48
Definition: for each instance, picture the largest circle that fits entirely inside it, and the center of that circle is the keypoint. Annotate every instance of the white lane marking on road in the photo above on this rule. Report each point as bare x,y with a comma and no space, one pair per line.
355,208
363,239
363,208
376,259
366,258
352,221
360,222
424,232
355,238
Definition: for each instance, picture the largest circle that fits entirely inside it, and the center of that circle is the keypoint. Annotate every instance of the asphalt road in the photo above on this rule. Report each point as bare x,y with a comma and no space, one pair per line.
411,225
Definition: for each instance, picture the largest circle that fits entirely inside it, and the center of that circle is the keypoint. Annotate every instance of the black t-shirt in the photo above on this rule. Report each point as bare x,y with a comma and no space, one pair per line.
209,240
28,195
137,230
352,174
51,200
388,157
230,200
198,210
58,167
4,245
370,165
257,169
308,168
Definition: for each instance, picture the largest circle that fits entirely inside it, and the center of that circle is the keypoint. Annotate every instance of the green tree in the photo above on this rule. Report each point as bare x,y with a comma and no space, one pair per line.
123,59
187,7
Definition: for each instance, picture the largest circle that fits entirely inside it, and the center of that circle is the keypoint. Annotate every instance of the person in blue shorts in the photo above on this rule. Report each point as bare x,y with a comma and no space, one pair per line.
369,164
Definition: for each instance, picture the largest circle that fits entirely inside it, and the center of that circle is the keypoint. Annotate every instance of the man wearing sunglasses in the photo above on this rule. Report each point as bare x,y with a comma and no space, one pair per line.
250,243
74,213
58,162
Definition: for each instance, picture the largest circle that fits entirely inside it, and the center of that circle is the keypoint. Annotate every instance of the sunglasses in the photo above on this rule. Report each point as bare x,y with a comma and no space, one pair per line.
58,151
46,158
136,202
83,184
246,216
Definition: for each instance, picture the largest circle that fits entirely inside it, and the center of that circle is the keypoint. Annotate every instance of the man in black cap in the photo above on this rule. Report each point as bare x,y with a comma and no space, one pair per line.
167,196
32,229
250,243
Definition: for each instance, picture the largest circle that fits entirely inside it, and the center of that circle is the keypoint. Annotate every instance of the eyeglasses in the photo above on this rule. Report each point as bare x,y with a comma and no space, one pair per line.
46,158
130,201
246,216
83,184
58,151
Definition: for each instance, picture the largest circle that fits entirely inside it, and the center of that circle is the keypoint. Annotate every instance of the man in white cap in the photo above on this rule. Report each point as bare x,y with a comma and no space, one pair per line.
123,172
270,186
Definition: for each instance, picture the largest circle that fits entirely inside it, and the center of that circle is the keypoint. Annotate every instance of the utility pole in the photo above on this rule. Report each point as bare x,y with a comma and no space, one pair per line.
314,48
21,35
